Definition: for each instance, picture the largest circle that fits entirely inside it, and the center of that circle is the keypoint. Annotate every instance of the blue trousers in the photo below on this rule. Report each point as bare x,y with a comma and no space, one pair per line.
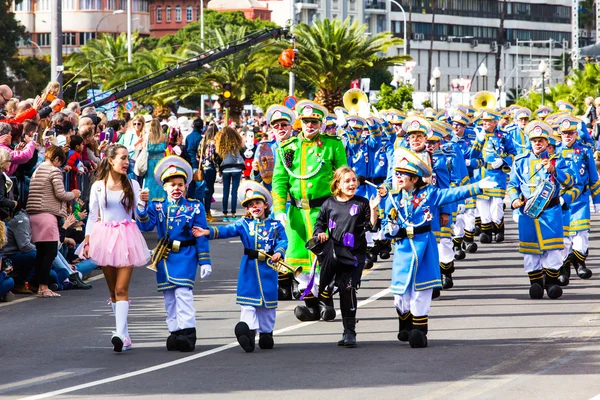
23,265
210,176
231,183
6,286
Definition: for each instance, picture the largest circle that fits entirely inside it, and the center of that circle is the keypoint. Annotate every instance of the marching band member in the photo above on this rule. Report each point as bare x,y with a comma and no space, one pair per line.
409,213
581,160
498,153
517,132
303,170
582,131
257,290
541,236
179,253
542,112
340,228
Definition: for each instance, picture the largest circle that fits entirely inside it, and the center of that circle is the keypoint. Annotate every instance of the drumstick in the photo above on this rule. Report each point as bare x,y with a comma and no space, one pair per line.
371,183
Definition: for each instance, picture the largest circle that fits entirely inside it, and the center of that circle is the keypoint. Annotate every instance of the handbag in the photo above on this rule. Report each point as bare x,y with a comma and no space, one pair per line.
141,163
199,174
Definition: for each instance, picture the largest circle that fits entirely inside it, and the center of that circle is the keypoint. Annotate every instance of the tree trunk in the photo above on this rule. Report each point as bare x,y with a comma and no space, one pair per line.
430,53
409,27
500,41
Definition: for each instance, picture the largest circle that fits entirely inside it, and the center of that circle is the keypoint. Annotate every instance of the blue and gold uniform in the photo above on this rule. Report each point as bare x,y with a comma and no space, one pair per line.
174,219
541,238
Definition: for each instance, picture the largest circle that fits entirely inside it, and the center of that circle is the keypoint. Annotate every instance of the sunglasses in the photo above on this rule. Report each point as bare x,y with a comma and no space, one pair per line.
457,124
401,173
568,133
280,125
137,123
311,121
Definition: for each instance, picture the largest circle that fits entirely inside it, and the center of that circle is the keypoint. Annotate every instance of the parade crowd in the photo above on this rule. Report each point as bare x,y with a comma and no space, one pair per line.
326,195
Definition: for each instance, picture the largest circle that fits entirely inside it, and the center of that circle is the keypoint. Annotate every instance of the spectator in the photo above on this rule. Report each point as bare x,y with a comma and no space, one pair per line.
133,140
91,150
19,155
209,161
47,201
20,250
157,144
74,107
229,147
192,147
5,95
75,161
7,206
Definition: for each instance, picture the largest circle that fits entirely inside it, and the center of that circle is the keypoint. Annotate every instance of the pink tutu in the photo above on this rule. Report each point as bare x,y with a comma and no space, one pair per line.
118,244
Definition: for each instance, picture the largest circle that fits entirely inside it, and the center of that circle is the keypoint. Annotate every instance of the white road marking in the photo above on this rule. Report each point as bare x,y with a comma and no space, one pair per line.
183,360
68,373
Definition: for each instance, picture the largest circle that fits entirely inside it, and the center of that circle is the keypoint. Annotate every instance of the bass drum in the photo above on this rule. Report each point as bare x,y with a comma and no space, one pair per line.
266,162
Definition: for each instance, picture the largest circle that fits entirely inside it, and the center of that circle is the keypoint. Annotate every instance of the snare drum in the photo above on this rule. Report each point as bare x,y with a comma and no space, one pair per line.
540,199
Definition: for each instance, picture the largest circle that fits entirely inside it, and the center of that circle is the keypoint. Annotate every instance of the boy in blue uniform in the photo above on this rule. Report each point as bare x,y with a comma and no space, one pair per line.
257,292
176,273
581,160
409,214
541,238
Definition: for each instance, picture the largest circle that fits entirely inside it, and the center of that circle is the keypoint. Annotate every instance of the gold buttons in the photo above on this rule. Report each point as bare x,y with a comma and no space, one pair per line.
259,245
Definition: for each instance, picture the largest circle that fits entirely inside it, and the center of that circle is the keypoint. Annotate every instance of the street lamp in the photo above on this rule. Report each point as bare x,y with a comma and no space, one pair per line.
436,74
543,67
483,71
404,20
116,12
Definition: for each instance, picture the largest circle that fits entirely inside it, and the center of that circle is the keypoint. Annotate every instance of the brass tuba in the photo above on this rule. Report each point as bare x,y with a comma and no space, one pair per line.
353,98
280,266
484,100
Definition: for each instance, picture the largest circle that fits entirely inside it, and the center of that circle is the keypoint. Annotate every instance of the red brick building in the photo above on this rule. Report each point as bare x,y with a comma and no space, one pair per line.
169,16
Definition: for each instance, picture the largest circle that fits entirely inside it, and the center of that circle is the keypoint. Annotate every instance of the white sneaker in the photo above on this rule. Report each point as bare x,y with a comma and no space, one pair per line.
118,341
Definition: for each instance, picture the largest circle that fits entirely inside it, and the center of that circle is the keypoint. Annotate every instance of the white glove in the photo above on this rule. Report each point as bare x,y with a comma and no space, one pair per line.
364,110
487,183
392,229
468,162
281,218
205,270
341,120
562,201
460,209
497,163
596,206
480,133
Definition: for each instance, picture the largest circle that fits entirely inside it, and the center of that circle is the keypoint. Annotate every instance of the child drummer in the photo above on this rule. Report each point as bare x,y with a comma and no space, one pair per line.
257,291
176,272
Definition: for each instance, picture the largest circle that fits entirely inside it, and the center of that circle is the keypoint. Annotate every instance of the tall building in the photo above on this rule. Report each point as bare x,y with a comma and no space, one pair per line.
82,20
169,16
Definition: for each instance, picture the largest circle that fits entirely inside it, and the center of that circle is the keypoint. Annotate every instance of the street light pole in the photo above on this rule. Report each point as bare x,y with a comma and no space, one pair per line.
483,71
404,18
129,31
543,67
436,74
116,12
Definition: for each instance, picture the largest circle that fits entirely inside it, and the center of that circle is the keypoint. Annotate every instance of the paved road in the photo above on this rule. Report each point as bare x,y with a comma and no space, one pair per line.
488,340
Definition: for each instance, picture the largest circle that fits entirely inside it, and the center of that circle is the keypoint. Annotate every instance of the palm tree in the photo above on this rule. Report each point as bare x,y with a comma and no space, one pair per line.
332,53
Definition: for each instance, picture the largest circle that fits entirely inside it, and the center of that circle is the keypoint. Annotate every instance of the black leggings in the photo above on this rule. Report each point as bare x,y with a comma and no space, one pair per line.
46,253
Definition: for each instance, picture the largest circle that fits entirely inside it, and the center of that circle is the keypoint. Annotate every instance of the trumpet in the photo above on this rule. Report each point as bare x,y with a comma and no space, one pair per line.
279,266
160,252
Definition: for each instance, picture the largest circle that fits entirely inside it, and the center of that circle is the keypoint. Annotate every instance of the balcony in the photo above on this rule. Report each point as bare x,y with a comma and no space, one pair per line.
375,7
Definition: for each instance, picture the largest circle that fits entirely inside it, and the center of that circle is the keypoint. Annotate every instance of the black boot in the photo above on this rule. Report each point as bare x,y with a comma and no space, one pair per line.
405,321
186,340
486,233
343,339
309,311
469,243
553,289
565,271
417,337
371,258
245,336
326,308
459,253
499,231
77,282
536,279
350,329
285,286
447,269
435,294
295,291
265,340
477,230
579,264
172,339
385,249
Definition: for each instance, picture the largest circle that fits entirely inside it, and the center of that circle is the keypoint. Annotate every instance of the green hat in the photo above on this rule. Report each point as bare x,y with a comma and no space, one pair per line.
307,109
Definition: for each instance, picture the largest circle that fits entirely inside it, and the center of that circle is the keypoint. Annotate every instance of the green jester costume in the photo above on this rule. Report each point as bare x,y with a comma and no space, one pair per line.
303,172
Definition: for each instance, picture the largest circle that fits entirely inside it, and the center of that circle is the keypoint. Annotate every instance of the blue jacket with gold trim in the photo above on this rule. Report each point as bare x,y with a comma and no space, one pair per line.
546,232
257,282
177,219
495,145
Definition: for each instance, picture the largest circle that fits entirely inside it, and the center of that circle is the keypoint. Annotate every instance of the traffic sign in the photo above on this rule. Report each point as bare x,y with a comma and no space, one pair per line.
290,102
129,106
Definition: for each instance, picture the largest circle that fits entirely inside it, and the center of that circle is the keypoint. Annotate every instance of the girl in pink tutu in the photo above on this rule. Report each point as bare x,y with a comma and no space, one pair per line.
113,239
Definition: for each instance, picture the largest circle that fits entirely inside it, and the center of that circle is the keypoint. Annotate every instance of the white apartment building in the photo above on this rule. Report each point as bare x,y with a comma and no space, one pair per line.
82,20
465,36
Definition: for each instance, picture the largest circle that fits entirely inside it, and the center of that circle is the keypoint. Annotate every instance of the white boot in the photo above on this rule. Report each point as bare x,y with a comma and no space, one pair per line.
120,339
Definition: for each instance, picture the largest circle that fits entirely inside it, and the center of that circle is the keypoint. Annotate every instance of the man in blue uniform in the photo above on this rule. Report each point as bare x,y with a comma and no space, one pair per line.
182,253
540,235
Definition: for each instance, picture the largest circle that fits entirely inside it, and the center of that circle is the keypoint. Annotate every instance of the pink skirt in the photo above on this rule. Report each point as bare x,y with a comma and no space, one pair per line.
44,228
118,244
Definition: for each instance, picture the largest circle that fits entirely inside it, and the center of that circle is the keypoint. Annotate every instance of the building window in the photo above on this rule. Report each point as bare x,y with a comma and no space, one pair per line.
139,6
189,13
178,13
25,42
68,5
110,5
168,13
43,5
69,39
158,14
23,6
43,39
85,36
90,4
